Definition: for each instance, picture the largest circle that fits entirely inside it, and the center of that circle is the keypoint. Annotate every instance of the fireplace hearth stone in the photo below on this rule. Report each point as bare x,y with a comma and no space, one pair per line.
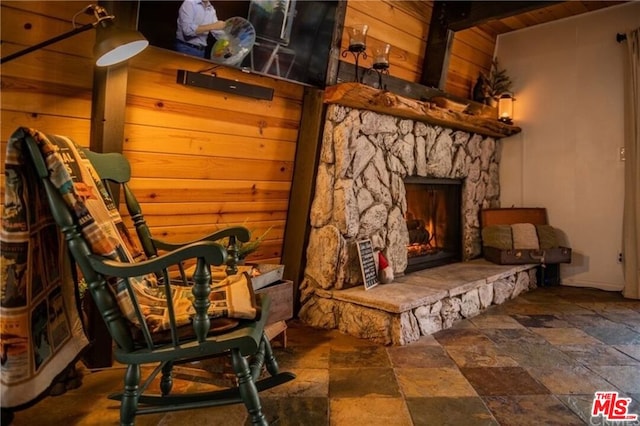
419,303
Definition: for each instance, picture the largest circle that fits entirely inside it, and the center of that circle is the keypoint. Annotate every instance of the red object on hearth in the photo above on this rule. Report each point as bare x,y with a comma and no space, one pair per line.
385,272
382,261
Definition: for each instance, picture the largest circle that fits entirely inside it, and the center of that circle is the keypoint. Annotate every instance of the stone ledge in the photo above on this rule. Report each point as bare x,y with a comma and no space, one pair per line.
418,304
428,286
395,297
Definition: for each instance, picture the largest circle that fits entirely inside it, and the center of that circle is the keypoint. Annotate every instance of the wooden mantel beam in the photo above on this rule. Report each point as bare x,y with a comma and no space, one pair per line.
360,96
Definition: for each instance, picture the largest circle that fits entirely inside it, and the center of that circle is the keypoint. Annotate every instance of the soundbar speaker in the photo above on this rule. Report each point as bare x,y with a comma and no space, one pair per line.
206,81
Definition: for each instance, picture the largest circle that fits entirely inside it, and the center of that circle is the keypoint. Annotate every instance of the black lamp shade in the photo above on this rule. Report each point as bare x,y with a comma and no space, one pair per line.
114,45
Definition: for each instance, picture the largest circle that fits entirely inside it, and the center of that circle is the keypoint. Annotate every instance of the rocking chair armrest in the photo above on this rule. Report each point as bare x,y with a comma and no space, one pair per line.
212,253
240,232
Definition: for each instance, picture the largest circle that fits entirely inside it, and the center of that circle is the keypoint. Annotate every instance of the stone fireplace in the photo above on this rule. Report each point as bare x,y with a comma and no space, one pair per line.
369,164
360,190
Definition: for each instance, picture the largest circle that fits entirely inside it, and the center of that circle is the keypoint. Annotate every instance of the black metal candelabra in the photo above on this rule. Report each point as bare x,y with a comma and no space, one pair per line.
356,50
380,68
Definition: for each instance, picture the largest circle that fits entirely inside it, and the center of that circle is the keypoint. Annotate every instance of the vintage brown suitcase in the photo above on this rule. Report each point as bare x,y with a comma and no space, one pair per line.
521,256
510,216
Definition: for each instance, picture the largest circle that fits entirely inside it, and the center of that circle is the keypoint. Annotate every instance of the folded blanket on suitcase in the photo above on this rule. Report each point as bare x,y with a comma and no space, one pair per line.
525,236
498,236
520,236
548,237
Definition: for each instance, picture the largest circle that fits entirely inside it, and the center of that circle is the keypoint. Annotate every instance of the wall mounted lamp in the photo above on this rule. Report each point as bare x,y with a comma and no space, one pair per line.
505,108
113,45
357,44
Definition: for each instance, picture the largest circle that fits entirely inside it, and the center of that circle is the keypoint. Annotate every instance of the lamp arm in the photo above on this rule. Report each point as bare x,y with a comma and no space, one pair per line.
46,43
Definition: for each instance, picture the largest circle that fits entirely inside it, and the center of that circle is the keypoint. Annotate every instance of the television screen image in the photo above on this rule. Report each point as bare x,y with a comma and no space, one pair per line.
273,19
288,39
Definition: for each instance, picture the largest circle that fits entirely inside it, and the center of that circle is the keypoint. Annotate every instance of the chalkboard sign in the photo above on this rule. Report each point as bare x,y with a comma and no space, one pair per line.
367,264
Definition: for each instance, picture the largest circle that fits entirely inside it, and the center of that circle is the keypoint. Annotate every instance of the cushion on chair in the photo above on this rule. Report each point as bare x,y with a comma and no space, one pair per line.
74,176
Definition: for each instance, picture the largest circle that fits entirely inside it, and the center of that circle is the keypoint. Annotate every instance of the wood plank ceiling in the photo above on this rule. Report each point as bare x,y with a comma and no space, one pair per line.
565,9
486,20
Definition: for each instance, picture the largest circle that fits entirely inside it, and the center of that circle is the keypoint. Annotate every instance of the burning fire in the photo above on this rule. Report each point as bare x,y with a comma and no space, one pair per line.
422,236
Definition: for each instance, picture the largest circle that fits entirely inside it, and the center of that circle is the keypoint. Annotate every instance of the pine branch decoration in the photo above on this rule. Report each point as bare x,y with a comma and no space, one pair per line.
498,81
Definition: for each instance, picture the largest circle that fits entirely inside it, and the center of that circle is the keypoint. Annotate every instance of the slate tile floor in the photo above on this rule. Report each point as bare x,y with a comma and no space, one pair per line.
536,360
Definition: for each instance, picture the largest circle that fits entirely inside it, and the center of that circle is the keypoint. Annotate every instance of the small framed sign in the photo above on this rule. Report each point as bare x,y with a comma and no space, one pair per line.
367,264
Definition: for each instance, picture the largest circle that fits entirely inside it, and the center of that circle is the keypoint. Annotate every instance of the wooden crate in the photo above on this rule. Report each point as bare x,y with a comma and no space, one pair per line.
281,294
269,274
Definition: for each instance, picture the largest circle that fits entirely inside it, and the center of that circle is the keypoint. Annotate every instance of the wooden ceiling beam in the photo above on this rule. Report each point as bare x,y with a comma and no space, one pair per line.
474,12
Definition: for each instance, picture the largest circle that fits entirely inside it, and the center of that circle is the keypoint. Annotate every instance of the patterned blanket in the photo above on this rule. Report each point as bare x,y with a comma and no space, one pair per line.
40,330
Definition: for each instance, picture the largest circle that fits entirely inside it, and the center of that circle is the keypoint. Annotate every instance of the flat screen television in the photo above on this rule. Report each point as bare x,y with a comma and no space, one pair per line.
293,38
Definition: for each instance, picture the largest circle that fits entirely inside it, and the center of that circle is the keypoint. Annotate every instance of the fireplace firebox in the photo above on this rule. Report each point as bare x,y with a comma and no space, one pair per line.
434,222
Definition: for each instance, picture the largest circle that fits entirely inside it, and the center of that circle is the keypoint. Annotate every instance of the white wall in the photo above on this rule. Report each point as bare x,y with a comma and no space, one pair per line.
569,90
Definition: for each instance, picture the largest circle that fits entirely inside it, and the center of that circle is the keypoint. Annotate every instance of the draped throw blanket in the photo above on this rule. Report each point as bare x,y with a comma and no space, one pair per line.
40,329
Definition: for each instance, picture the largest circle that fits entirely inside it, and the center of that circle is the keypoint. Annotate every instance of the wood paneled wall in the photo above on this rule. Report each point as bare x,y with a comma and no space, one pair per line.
405,26
49,89
402,24
471,53
201,159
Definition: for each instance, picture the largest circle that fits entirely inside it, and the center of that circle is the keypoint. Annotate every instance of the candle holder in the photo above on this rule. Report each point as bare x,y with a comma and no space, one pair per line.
357,45
381,62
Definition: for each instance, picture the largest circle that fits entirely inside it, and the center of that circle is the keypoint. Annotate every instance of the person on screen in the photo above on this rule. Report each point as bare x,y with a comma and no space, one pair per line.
196,20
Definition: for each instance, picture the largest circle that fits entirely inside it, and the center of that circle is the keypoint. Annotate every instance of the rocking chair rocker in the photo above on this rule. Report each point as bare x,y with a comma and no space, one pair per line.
119,286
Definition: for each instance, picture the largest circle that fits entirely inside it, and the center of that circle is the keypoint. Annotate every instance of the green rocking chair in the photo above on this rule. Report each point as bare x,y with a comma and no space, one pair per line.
120,284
